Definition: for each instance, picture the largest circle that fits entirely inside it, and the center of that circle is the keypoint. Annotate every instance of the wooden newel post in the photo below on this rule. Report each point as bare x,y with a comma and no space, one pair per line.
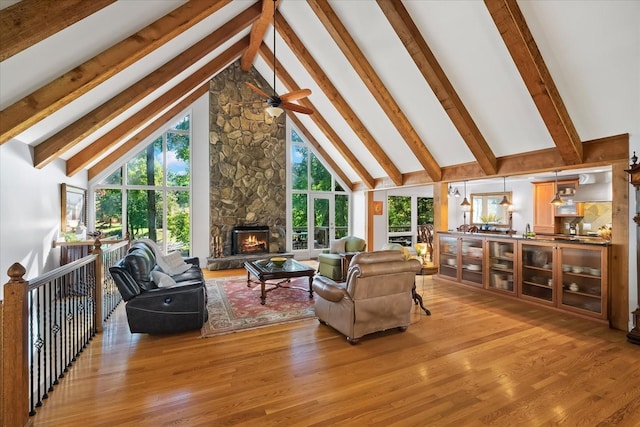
634,172
99,291
15,383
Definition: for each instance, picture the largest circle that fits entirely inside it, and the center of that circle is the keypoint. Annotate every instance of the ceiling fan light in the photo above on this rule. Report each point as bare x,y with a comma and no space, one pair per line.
274,111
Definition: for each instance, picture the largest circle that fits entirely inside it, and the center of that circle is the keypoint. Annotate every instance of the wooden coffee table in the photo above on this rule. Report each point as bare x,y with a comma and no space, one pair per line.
264,270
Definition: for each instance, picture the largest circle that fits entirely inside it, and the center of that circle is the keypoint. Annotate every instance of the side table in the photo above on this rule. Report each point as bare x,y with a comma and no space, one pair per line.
345,260
426,270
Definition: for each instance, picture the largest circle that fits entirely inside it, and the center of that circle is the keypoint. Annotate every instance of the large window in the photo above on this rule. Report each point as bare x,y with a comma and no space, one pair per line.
405,214
149,195
319,204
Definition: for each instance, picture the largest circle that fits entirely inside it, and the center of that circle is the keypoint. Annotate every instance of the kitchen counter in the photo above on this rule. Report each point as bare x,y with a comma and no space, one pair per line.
580,240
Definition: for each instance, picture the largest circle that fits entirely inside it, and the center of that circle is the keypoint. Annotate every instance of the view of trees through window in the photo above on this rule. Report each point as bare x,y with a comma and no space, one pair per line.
313,184
149,196
401,211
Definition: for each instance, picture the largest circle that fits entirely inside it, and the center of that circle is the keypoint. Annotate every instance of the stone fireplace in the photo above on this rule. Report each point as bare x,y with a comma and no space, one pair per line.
247,164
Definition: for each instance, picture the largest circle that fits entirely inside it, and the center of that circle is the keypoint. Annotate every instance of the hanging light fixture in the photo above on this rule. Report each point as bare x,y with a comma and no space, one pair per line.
453,191
465,203
456,193
505,201
557,201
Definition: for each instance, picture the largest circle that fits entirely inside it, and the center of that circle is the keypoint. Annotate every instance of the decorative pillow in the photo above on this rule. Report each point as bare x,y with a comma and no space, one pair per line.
174,264
337,246
161,279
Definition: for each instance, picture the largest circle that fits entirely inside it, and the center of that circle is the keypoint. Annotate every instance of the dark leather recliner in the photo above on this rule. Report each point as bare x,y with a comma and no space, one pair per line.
155,310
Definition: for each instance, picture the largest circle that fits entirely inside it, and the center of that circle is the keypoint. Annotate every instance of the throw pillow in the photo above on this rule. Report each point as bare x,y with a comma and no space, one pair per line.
161,279
337,246
175,264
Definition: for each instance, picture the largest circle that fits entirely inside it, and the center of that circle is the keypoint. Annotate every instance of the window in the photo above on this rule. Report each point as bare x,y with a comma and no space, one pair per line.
149,195
319,204
404,215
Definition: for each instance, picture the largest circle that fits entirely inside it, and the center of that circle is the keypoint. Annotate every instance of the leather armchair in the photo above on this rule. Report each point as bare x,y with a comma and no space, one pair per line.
330,262
376,296
157,310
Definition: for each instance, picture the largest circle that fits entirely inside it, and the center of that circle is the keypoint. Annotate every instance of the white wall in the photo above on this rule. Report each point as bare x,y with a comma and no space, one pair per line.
200,175
30,209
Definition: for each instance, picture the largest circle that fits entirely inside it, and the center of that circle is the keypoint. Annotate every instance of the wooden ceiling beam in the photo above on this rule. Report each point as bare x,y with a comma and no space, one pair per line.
103,144
51,97
74,133
30,21
370,78
258,30
597,152
337,100
536,76
435,76
146,131
317,118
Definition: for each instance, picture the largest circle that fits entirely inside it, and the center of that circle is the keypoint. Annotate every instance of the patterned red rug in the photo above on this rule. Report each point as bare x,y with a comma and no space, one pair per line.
233,306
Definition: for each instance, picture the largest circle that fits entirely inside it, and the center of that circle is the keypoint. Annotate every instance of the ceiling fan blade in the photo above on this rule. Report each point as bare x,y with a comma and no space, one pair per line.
297,108
296,94
256,89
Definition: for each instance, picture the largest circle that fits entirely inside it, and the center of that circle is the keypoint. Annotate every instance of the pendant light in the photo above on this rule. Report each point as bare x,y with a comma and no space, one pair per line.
505,201
557,201
453,191
465,203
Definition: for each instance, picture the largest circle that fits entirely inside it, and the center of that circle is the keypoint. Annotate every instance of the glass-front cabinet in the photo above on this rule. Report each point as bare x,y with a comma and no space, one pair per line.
472,260
448,250
564,275
537,279
583,280
501,271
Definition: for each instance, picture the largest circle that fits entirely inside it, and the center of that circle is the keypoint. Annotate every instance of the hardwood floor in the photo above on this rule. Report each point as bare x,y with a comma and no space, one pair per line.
478,360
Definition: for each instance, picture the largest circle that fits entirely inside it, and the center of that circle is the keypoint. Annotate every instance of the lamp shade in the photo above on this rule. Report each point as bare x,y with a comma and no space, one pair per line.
274,111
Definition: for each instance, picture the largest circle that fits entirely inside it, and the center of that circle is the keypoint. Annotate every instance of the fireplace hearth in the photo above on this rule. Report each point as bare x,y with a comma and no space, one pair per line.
249,239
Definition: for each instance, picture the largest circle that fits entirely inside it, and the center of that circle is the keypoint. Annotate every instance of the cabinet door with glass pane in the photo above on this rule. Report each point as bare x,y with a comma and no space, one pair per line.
584,280
448,253
472,260
536,280
501,265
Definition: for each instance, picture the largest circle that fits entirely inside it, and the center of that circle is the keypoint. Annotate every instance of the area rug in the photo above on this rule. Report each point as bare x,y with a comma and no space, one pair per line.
233,306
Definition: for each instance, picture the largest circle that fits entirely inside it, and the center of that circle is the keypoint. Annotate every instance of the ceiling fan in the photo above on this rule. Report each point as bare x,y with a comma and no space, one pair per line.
277,104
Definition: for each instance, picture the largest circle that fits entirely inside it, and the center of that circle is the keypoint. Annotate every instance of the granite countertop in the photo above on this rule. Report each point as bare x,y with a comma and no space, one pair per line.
581,240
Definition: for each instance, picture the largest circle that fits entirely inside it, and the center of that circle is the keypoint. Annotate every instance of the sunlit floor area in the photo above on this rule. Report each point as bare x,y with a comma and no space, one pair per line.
479,359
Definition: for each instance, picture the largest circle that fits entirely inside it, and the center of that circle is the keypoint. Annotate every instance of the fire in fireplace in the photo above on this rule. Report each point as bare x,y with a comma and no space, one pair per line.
249,239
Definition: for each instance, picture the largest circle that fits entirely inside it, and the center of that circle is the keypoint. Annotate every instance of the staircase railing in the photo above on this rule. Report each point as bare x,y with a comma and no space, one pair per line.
46,324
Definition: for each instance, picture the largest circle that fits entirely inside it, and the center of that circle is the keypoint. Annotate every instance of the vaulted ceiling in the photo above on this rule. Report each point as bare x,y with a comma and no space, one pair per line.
404,92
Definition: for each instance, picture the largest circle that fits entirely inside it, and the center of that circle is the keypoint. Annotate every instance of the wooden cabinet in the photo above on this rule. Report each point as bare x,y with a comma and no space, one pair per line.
545,215
462,258
566,276
537,278
501,265
571,277
543,211
582,283
448,250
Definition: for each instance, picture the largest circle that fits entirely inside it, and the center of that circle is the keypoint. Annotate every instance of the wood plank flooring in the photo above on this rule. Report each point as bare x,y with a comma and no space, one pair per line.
479,359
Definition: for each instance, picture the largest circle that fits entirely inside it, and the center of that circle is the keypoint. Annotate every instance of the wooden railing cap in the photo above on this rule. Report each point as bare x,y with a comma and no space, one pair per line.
16,272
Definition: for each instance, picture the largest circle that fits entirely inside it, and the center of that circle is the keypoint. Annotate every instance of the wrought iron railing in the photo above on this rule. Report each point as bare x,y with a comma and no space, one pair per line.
48,321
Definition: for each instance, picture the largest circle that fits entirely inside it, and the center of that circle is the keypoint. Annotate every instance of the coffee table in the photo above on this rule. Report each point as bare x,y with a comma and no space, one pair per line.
264,270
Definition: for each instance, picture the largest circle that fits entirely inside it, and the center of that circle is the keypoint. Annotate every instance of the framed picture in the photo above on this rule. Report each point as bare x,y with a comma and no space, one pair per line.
73,208
377,208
